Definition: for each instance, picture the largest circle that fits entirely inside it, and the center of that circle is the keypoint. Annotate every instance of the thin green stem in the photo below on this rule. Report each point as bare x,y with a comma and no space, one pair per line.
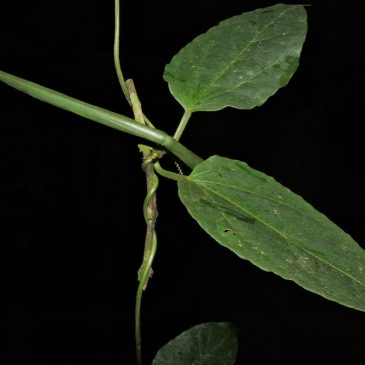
182,125
150,214
116,51
116,54
102,116
166,173
141,286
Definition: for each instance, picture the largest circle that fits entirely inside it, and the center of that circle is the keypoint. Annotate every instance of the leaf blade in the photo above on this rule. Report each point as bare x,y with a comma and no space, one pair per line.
261,221
213,343
240,62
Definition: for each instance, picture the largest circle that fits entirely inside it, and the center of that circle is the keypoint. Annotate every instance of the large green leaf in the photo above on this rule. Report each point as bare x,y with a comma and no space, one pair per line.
241,62
264,222
213,343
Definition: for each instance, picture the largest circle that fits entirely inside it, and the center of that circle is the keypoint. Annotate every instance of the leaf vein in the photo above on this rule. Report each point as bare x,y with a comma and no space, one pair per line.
290,241
236,58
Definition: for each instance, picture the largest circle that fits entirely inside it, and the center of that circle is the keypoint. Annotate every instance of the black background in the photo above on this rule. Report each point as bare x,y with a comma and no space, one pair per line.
71,191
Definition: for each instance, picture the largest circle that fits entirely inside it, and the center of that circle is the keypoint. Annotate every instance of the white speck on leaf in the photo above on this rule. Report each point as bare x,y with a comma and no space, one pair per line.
250,74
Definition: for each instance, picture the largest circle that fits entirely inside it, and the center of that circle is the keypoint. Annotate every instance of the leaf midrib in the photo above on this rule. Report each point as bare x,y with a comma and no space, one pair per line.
212,96
235,59
278,232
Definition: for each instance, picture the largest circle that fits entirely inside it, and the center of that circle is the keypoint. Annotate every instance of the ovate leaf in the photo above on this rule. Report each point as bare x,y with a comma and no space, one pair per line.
262,221
213,343
241,62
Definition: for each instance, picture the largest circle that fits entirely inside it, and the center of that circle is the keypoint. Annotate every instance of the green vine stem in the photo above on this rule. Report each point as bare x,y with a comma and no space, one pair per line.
145,272
150,203
144,275
116,56
102,116
116,50
150,215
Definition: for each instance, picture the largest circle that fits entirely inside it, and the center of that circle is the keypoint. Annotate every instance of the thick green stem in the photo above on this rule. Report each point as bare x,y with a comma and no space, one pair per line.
102,116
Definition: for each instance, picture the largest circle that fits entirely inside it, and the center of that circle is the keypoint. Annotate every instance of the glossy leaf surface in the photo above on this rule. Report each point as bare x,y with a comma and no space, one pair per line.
262,221
241,62
213,343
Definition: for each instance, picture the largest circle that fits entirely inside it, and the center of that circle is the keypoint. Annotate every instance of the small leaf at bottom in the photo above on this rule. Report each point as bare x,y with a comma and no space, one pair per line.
213,343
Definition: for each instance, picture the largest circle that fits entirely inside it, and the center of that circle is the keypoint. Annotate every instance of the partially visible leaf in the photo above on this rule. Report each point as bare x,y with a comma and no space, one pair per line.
213,343
241,62
262,221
